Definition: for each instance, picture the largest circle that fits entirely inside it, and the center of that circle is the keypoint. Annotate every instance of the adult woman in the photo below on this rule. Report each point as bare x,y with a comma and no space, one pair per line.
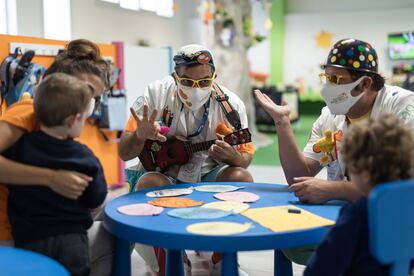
82,59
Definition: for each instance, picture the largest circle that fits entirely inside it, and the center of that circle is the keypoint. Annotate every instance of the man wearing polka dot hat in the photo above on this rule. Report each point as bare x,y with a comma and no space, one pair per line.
353,91
190,105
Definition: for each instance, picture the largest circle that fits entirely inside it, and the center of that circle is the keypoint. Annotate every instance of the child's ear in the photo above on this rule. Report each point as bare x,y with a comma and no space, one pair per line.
366,177
70,120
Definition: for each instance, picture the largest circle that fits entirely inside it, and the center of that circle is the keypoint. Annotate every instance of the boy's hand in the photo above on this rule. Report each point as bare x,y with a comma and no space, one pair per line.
147,128
279,113
69,184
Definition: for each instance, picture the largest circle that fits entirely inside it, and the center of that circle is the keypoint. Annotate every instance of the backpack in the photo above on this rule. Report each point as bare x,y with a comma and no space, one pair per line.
19,77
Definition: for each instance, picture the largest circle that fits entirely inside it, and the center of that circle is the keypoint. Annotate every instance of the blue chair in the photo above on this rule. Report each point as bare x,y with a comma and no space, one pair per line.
391,225
19,262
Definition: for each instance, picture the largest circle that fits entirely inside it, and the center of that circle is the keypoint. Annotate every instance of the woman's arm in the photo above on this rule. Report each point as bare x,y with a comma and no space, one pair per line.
67,183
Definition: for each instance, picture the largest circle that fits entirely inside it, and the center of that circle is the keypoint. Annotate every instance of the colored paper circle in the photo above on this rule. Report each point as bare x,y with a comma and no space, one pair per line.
333,58
140,209
217,188
229,206
237,196
198,213
169,192
218,228
175,202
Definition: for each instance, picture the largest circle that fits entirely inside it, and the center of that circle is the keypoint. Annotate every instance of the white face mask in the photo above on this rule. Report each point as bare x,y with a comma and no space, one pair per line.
91,107
338,97
194,98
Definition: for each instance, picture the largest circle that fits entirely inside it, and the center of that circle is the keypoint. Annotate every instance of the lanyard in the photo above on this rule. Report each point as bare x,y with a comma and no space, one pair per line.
203,121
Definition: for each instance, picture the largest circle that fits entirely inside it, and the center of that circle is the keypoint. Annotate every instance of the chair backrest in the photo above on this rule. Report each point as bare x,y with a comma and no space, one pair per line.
391,225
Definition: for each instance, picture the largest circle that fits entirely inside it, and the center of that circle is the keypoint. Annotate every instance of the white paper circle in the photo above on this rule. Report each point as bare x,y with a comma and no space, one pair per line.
217,188
169,192
218,228
140,209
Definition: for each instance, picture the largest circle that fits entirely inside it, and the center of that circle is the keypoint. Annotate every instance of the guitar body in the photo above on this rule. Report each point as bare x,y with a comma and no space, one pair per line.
159,156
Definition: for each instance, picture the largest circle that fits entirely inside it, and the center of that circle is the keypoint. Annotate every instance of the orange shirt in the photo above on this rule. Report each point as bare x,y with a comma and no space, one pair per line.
247,148
21,115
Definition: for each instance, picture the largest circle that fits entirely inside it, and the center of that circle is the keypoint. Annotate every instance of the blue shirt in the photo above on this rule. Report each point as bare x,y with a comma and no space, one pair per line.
345,249
37,212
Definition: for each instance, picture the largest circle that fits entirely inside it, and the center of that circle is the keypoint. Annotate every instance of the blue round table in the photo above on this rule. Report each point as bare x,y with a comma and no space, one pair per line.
170,233
19,262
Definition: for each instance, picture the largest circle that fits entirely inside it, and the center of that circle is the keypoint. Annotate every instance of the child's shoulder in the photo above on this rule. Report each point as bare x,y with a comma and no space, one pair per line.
355,210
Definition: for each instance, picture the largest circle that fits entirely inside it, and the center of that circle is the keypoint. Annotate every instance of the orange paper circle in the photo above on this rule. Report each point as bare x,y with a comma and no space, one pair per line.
175,202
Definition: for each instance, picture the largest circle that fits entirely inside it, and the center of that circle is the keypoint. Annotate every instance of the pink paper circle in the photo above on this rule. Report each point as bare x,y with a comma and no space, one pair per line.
237,196
140,209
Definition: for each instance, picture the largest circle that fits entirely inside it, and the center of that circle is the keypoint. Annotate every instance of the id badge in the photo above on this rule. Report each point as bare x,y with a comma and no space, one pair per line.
191,172
335,171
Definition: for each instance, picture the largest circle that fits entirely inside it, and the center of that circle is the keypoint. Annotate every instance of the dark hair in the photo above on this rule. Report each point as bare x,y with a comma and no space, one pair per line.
378,81
383,147
59,96
81,56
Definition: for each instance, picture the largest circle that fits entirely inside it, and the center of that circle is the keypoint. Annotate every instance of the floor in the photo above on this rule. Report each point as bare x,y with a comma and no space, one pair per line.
257,263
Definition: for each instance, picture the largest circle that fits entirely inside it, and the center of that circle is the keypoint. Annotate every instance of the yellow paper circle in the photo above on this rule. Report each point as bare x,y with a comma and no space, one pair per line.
218,228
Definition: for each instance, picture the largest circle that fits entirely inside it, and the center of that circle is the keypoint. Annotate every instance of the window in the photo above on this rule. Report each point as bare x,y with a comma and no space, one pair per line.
56,19
148,5
163,8
129,4
8,17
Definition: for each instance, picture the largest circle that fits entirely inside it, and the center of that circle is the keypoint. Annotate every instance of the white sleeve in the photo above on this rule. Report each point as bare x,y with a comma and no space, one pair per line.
318,128
154,96
405,111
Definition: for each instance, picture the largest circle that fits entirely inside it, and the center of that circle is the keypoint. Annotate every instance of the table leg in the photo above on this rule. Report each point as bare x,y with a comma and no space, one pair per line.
229,264
283,266
174,265
122,258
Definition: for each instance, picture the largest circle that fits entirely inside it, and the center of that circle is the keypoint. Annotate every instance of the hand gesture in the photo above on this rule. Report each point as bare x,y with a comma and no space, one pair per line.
277,112
147,128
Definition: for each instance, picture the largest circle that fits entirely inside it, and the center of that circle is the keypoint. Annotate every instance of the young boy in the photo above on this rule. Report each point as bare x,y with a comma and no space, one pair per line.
41,219
375,152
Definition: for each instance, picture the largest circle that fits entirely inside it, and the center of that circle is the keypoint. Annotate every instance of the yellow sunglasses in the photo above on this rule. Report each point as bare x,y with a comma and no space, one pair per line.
336,79
206,82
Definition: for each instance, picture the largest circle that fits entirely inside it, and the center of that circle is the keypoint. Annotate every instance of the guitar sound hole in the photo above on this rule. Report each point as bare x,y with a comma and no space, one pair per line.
171,153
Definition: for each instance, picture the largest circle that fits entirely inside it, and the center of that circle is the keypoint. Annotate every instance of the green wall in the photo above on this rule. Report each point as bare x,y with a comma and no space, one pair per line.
277,15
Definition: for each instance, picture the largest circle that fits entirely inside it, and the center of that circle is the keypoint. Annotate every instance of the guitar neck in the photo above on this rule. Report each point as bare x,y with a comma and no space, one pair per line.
201,146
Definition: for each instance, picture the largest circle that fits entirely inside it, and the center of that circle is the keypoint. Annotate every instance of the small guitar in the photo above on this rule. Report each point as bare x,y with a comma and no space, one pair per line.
159,156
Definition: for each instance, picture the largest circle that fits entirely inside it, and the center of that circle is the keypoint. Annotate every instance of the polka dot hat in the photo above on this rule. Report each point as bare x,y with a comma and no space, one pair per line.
353,54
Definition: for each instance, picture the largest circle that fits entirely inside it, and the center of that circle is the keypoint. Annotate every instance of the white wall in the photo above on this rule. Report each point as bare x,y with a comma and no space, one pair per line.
30,18
104,22
259,54
302,57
